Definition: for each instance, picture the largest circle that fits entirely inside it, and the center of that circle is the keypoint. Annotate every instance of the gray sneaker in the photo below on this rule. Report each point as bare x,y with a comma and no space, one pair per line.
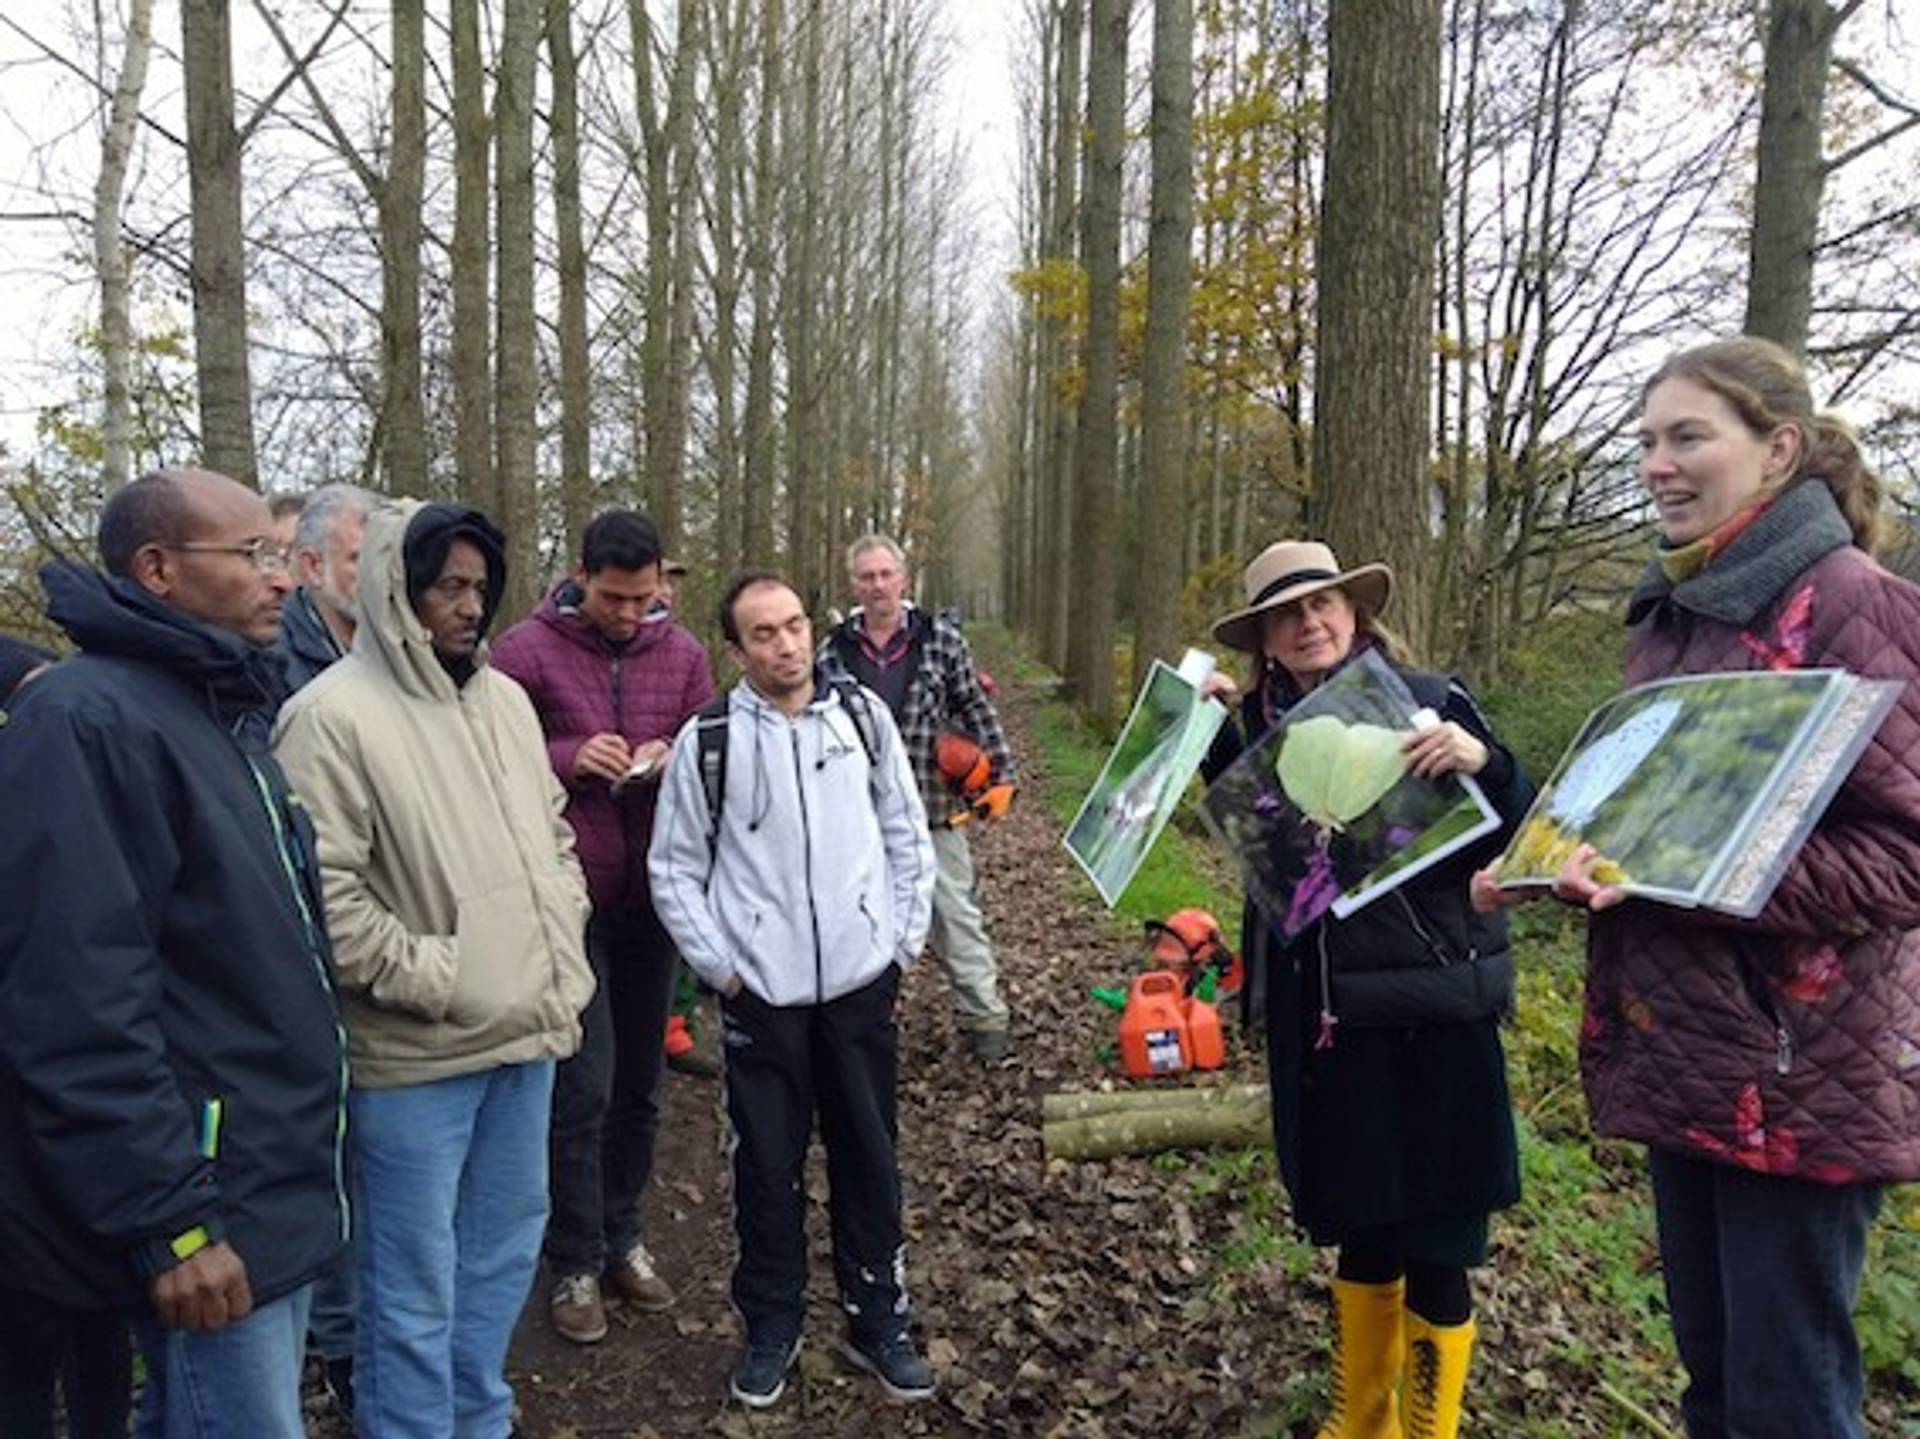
760,1378
990,1047
895,1363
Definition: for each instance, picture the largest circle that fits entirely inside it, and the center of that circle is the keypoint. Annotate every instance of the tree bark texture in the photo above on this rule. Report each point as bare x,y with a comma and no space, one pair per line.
405,453
516,368
1375,264
472,265
1163,379
110,250
576,363
219,246
1097,448
1102,1125
1791,174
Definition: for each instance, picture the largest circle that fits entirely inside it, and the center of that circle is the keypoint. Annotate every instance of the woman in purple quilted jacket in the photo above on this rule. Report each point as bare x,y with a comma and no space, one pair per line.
1771,1066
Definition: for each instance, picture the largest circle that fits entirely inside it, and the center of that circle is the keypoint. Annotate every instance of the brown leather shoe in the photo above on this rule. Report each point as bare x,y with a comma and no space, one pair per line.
632,1278
578,1313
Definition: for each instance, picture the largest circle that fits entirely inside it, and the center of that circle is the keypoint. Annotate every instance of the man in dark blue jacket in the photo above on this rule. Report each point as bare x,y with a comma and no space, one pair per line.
317,626
172,1072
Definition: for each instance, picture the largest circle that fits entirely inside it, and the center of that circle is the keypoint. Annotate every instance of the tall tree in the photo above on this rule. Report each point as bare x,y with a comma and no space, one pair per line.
760,440
576,363
471,267
405,452
110,249
219,244
1163,375
516,366
1060,378
1380,218
1097,445
1792,174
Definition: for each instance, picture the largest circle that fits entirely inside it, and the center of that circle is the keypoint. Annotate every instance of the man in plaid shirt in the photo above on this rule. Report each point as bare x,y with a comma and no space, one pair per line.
921,666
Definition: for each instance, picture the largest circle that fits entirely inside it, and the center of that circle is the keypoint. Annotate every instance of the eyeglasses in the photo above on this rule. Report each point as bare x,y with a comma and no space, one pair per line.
266,557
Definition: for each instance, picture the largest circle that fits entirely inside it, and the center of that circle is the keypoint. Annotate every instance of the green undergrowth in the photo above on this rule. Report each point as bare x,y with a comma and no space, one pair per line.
1585,1224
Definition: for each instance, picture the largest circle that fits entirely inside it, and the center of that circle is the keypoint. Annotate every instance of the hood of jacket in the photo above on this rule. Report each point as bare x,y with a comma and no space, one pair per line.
108,615
405,539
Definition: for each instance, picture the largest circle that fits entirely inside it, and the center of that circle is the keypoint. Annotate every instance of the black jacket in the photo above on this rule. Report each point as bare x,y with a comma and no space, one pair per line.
306,644
170,1049
1391,1111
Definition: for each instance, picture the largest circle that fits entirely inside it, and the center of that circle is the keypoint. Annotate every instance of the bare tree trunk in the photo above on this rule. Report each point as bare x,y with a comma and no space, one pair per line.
805,368
1163,381
1379,223
730,30
516,372
472,255
769,203
1792,172
110,252
576,364
219,249
1057,462
404,414
668,462
1096,471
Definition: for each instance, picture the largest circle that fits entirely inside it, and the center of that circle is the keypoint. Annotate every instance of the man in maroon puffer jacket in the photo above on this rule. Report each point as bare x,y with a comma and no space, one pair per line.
611,689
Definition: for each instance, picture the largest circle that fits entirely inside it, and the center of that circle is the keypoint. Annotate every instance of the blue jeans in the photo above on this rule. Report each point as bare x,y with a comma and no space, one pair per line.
450,1192
335,1296
240,1382
606,1098
1761,1275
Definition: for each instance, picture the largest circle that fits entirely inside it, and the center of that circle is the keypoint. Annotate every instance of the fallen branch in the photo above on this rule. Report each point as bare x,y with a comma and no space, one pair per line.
1100,1125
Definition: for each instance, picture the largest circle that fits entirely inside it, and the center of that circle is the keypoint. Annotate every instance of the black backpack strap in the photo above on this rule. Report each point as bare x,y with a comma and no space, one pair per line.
711,731
859,706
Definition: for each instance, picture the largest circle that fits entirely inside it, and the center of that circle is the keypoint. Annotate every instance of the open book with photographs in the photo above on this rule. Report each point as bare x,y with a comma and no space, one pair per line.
1320,811
1699,790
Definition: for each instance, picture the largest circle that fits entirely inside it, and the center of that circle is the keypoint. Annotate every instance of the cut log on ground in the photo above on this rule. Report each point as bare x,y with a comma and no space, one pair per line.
1098,1124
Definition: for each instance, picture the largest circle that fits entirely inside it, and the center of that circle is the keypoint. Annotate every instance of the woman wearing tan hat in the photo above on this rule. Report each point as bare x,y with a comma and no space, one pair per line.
1391,1117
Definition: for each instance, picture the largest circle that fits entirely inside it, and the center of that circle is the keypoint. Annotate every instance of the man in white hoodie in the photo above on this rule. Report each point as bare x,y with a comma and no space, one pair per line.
801,902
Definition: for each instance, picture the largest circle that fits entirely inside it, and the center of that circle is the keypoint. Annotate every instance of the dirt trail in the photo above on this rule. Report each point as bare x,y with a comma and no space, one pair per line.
1129,1298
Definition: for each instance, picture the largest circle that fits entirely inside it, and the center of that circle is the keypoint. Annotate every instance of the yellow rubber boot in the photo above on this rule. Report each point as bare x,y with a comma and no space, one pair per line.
1366,1361
1437,1359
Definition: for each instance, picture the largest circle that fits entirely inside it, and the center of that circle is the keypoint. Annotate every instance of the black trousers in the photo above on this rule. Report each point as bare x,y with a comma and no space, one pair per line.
90,1353
784,1067
607,1096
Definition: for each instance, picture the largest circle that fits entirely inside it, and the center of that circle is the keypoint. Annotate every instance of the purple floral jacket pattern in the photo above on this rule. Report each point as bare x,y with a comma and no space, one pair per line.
1788,1044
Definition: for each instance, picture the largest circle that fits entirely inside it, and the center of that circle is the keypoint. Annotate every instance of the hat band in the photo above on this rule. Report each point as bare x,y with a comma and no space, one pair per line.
1288,581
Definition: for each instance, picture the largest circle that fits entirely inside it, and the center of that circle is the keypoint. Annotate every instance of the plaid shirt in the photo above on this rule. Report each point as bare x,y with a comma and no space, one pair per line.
944,694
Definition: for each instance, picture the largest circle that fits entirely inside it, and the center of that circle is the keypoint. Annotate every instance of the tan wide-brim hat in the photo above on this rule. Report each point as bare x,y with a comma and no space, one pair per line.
1285,572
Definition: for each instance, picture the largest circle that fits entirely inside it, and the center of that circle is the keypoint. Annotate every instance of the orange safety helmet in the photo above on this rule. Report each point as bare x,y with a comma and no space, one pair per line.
961,762
1189,941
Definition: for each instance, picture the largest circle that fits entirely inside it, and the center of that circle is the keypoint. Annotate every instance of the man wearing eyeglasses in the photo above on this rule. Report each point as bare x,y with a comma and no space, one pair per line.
172,1069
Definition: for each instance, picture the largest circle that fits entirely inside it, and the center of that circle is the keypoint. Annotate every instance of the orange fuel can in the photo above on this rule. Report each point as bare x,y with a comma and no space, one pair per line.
1164,1032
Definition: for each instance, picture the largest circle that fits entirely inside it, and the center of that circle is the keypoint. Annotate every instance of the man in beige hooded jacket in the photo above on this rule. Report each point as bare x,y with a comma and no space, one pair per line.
458,913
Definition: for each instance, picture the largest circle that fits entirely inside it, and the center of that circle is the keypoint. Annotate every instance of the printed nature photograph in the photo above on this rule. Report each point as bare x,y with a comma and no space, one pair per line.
1698,790
1143,780
1320,812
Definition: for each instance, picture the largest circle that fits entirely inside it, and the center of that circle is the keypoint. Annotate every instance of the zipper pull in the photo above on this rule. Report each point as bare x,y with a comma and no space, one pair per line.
1328,1019
1783,1049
